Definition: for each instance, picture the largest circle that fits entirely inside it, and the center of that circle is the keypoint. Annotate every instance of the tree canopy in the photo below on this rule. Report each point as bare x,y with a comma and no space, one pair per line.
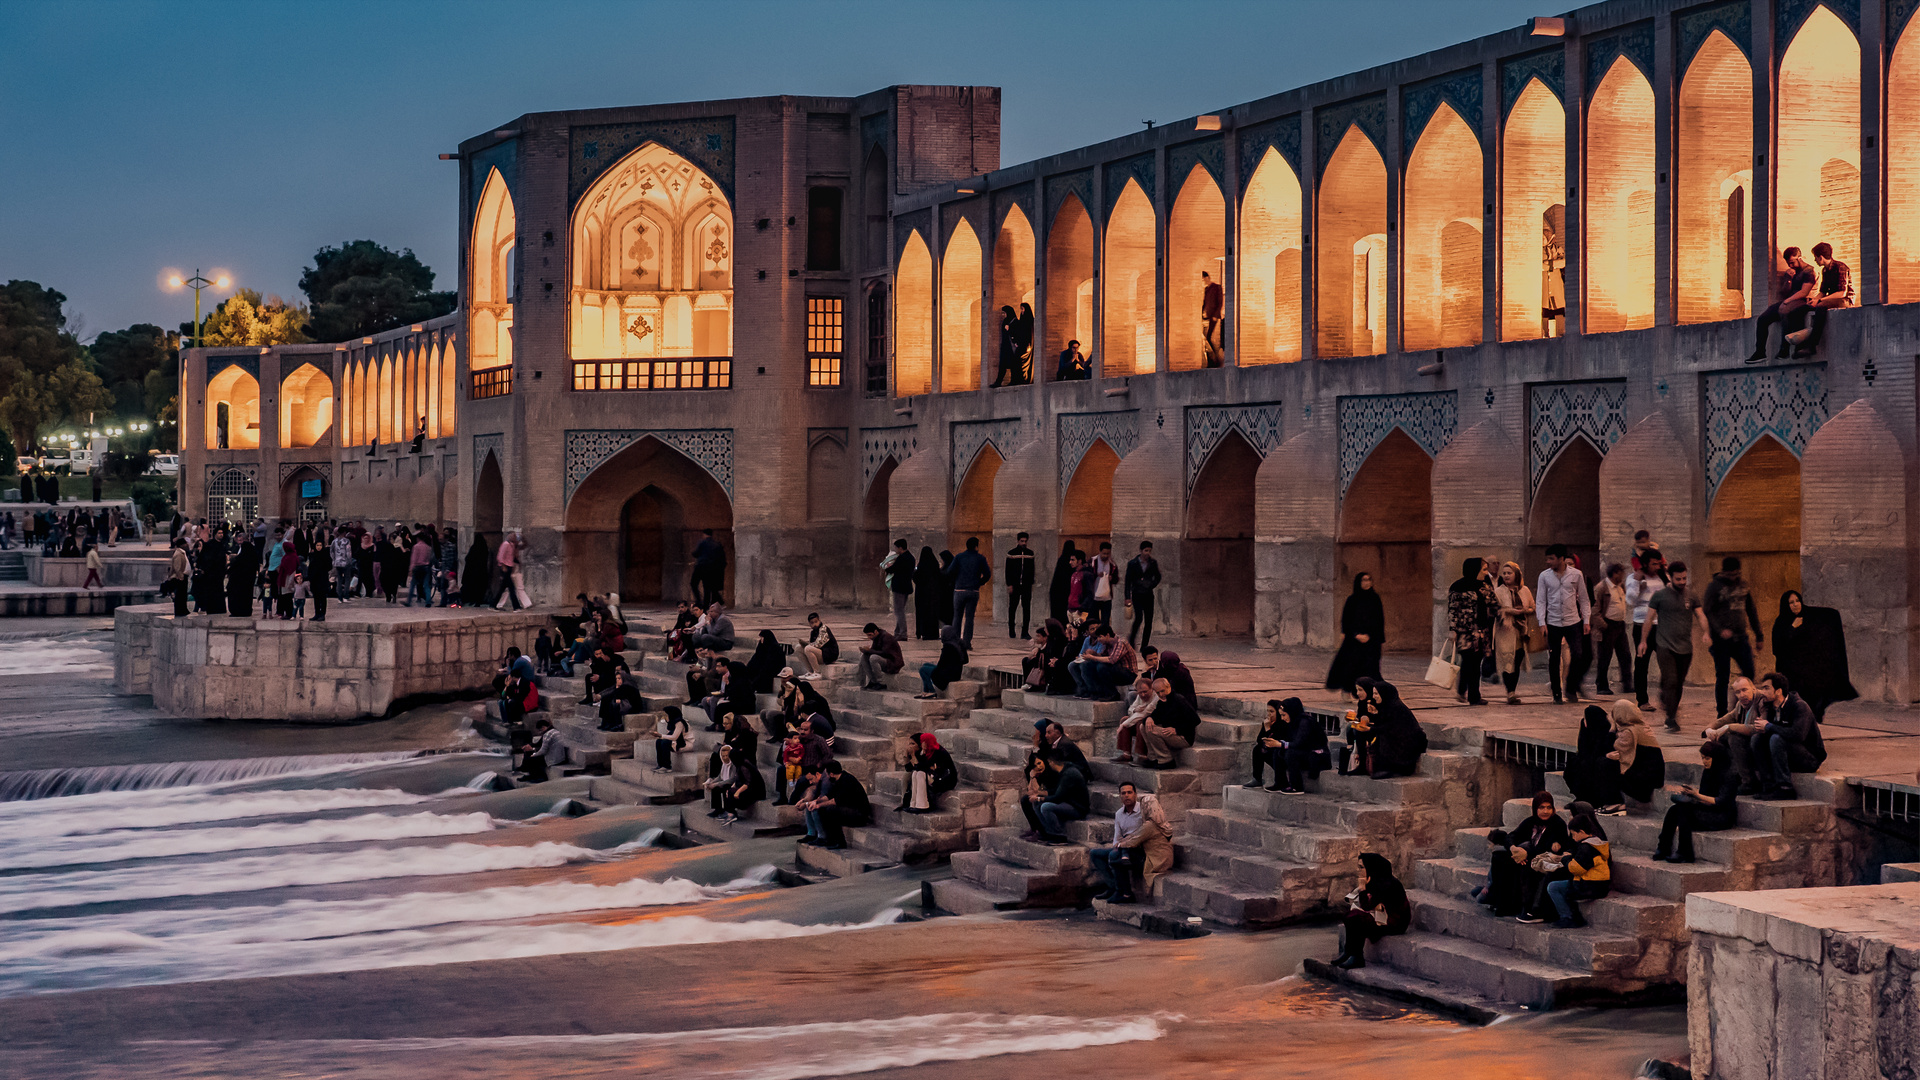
246,319
361,288
127,361
45,376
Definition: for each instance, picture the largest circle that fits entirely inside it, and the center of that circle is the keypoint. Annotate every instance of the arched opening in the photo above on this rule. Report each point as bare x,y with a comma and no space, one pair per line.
489,499
1127,304
233,410
1619,208
913,319
449,392
1566,509
1196,246
370,401
490,288
345,410
1756,517
296,503
306,407
874,508
874,204
633,523
1903,168
1386,529
960,310
1216,554
233,496
1013,280
1086,512
1440,272
1069,281
1533,251
828,490
1350,270
1817,182
973,515
1268,288
1713,185
652,262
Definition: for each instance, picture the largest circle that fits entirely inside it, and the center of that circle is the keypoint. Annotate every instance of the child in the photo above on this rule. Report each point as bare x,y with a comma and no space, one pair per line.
301,590
543,654
1589,876
791,754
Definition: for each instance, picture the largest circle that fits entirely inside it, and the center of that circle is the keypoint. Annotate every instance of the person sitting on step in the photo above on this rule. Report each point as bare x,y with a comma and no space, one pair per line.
1067,799
670,737
1711,807
1140,705
930,771
600,672
1174,726
936,677
544,752
839,802
1305,748
1376,909
620,699
1586,874
1270,747
1141,839
880,657
734,787
1055,744
1398,739
1512,879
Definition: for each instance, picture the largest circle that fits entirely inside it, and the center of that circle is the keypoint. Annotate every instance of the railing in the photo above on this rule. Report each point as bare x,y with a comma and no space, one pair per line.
1894,801
492,382
1517,750
702,373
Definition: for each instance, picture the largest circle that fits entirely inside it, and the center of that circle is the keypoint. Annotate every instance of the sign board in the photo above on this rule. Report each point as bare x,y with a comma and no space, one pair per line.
311,489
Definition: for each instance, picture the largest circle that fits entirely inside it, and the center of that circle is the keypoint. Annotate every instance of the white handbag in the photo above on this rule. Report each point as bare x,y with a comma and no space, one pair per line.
1443,672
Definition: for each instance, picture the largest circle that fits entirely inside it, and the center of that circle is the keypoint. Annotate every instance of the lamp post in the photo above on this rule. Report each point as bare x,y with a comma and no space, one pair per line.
174,283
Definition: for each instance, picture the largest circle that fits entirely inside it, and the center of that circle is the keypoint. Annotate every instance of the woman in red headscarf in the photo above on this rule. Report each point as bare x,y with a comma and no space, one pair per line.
930,771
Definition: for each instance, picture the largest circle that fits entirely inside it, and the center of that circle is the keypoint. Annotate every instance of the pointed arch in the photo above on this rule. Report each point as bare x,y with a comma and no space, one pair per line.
1566,507
1196,245
1533,253
1350,268
1755,517
1069,280
1713,185
1267,289
1902,197
1086,507
1618,226
1386,529
306,406
1127,305
632,523
913,319
1440,259
386,399
652,261
1216,552
1013,273
490,286
829,487
960,310
449,390
1817,179
349,401
233,410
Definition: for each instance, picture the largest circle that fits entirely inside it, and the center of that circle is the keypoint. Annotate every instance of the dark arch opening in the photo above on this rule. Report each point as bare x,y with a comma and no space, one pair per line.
1216,556
874,542
488,500
633,522
1566,510
1756,518
297,508
1086,511
874,204
973,516
1386,529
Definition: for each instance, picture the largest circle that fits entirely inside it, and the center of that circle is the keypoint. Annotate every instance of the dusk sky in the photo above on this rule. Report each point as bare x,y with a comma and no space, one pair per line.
246,136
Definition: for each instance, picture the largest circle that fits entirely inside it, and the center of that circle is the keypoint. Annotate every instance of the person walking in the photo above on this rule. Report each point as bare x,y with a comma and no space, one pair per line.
1730,611
1649,576
1213,307
1020,565
1610,615
513,587
179,572
929,586
1510,640
1472,610
320,579
897,571
420,572
1561,605
709,569
1105,577
968,574
1143,576
1671,616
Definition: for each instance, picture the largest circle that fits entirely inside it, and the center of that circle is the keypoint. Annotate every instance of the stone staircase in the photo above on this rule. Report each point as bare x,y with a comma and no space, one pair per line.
13,566
1634,948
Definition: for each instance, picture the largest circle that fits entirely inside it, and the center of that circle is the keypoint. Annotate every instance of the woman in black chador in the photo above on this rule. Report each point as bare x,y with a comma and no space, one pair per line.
1363,629
928,586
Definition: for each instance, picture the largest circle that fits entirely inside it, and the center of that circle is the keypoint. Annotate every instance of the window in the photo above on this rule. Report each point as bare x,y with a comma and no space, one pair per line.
492,382
824,349
711,374
823,228
877,340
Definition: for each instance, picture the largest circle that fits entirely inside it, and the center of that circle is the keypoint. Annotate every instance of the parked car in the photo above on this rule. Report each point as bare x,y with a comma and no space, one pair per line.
166,464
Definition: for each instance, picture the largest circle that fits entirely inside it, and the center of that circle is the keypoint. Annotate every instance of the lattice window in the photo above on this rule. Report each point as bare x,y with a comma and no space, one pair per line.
492,382
708,374
825,340
877,341
233,495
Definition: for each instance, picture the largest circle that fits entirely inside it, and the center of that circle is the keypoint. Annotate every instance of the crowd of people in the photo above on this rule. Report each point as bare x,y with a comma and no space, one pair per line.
69,535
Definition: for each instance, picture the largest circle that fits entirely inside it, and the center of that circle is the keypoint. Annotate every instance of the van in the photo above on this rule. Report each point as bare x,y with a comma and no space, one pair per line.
166,464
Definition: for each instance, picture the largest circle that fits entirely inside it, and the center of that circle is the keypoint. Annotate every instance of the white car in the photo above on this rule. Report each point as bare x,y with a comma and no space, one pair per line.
166,464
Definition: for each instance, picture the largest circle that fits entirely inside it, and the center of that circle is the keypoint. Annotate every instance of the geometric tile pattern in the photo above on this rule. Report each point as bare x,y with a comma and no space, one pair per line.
247,362
496,443
324,469
1078,184
1427,418
905,225
1461,90
879,444
1138,169
1734,19
707,142
1369,114
1633,42
1789,404
1282,135
1899,12
1789,14
968,438
1562,412
1209,152
1547,65
1079,431
503,156
1208,424
709,448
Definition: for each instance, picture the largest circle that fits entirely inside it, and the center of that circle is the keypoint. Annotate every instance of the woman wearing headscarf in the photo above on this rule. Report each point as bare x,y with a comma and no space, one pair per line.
1471,613
943,592
1377,909
1023,346
242,569
1062,583
930,771
1033,666
212,578
765,663
283,577
393,566
1356,757
476,574
937,676
1514,602
1060,675
1512,881
1398,739
1810,649
1304,748
1363,630
1592,775
1009,372
1643,768
1269,743
1177,675
928,587
1708,808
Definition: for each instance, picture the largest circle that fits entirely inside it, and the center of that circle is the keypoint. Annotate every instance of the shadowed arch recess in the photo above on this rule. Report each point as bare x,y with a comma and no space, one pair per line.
1386,529
632,523
1216,553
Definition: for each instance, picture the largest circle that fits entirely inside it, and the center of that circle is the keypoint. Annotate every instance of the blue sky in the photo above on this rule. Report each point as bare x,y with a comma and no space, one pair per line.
141,135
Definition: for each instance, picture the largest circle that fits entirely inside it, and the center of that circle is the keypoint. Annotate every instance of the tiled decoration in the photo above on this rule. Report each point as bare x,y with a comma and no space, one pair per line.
1330,126
879,444
709,448
1788,15
1428,418
1899,13
707,142
248,362
1259,424
1558,413
1282,135
504,156
1209,152
1734,19
1789,404
968,438
323,469
496,443
905,225
1547,65
1078,184
1633,42
1078,431
1138,168
1461,91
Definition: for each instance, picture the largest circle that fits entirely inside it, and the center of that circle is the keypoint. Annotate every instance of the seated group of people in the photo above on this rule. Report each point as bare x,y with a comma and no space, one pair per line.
1543,867
1093,666
1384,739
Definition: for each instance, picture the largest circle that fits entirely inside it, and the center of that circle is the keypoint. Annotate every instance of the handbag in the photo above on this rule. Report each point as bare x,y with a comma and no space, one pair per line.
1441,671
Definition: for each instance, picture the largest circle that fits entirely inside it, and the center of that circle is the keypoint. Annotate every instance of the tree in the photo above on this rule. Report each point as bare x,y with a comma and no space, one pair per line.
126,360
361,288
245,319
44,376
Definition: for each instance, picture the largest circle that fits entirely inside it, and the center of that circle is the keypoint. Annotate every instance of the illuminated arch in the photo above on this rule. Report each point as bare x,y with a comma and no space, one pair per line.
1440,259
652,272
490,287
1903,168
1196,244
1268,285
960,310
1817,182
387,423
1013,262
913,319
1619,209
1351,272
1127,292
1069,280
1533,179
306,407
1713,185
233,410
449,393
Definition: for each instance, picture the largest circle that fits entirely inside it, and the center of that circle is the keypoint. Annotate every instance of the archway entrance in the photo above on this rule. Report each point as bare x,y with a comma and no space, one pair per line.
1386,529
1566,510
973,516
1216,556
1756,517
303,496
874,541
633,523
1086,513
489,500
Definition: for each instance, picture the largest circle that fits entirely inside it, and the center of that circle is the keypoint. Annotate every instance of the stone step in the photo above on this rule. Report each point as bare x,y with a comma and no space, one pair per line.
1065,709
766,820
1030,887
1634,832
1232,732
1183,777
899,703
846,862
898,847
957,896
1588,949
1646,917
1312,845
982,774
1480,969
1005,844
982,747
1790,817
1632,873
677,786
1105,799
611,791
1360,819
890,787
1221,900
877,723
1017,725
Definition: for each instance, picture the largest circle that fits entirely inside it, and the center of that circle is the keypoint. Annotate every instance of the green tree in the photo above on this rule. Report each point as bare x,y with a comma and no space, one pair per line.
361,288
44,375
245,319
126,360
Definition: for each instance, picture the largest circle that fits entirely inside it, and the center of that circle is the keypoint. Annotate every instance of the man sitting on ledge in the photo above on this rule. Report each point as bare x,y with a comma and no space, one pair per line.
881,656
838,801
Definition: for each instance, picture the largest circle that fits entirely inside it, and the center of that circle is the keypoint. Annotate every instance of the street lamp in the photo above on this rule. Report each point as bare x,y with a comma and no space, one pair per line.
174,282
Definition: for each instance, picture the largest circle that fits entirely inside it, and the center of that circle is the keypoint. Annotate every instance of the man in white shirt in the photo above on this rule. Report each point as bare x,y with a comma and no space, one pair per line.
1560,603
1641,585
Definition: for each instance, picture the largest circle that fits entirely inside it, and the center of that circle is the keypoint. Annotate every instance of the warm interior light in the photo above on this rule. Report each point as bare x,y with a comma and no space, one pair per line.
1269,279
1440,259
1206,123
1547,26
